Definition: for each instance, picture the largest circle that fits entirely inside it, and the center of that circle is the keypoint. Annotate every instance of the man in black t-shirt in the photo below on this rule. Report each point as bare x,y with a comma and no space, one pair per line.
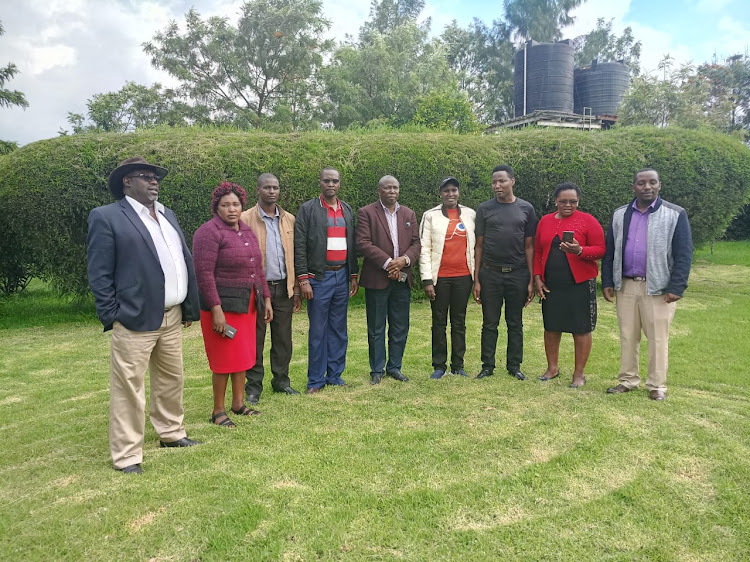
504,257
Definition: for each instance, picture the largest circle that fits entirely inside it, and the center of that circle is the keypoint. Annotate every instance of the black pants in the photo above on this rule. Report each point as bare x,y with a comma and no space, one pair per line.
451,294
497,288
281,343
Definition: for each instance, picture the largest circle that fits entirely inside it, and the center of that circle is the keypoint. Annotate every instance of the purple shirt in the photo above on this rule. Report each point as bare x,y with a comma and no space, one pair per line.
634,257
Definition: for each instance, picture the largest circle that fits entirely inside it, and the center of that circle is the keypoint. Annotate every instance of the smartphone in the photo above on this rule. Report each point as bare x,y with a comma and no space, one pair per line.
567,236
230,331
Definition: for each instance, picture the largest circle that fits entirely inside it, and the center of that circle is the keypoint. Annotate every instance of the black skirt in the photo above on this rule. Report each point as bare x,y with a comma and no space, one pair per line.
569,306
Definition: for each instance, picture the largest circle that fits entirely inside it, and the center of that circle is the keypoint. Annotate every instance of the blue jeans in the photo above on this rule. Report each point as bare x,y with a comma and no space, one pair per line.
392,305
327,337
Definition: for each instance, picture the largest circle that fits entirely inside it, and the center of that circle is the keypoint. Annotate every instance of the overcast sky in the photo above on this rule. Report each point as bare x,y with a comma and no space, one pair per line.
68,50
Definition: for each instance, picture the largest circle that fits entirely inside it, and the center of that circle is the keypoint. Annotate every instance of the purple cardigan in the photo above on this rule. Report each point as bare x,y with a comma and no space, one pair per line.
225,257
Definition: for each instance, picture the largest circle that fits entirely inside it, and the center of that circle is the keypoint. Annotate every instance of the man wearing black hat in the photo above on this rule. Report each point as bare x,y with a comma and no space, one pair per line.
141,274
446,266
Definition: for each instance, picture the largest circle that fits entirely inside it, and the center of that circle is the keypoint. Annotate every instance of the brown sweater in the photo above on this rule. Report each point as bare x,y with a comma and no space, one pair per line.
252,218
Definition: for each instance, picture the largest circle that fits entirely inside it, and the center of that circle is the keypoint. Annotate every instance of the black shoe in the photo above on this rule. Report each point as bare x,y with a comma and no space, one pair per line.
184,442
131,469
516,373
286,390
484,373
398,375
253,398
375,378
438,374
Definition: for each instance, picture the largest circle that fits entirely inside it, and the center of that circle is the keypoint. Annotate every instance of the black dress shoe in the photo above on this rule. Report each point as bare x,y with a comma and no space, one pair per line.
131,469
184,442
286,390
253,398
398,375
516,373
484,373
619,389
375,378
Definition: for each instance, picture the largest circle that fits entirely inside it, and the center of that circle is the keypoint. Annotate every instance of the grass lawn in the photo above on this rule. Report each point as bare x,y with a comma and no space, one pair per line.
455,469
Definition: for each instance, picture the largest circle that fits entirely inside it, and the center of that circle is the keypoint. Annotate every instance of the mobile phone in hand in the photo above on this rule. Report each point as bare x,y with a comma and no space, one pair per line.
567,236
230,331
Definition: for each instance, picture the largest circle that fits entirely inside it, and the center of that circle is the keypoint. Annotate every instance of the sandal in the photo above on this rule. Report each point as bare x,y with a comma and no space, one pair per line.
546,378
226,422
245,411
579,385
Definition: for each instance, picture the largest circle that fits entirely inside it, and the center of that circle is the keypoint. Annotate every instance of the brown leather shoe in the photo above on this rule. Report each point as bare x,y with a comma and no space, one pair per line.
312,390
619,389
657,394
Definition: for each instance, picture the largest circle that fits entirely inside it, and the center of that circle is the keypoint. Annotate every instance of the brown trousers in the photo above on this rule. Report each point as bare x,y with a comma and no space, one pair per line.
131,353
638,311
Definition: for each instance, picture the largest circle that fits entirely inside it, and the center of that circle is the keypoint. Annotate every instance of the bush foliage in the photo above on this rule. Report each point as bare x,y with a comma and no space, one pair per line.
48,188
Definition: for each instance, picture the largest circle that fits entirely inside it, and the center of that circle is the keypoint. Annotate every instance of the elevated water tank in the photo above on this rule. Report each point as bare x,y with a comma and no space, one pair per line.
601,87
543,77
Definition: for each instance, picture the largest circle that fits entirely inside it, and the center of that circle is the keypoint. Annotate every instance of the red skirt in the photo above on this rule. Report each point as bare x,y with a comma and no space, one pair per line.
227,355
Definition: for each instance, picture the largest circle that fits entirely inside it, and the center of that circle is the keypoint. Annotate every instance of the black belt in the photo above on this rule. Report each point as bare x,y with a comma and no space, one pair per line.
636,278
279,282
334,267
499,268
168,309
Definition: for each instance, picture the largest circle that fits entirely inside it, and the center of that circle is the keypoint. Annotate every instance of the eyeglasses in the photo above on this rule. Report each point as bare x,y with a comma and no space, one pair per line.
571,202
147,177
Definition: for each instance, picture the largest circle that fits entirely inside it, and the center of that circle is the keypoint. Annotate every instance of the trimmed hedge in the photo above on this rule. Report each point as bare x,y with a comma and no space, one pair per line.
48,188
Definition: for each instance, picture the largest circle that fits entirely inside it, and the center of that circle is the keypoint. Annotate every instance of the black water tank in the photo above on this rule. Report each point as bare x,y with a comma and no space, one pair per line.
549,77
601,87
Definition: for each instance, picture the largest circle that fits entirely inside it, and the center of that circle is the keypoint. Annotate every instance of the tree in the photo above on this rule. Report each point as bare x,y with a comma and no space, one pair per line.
387,15
482,58
10,98
605,46
541,20
680,97
446,112
385,74
132,107
729,89
241,73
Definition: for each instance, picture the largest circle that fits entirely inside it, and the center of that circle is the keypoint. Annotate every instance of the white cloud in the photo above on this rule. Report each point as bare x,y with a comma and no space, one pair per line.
45,58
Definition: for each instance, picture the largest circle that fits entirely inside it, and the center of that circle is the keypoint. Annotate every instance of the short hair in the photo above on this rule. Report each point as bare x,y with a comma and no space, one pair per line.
504,168
225,188
635,176
329,169
264,177
565,186
384,179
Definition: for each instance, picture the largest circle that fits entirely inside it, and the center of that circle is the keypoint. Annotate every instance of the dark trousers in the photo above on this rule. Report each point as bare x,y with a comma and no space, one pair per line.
392,305
327,337
451,295
281,343
511,289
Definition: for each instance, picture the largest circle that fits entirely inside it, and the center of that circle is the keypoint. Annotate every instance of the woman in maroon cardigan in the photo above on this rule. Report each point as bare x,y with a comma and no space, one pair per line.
568,243
231,281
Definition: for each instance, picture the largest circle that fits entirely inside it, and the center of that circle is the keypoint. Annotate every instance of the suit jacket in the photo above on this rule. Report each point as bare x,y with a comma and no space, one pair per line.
375,244
124,271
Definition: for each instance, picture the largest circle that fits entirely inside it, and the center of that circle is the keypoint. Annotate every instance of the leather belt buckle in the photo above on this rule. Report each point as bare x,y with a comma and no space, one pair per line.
506,269
638,278
277,282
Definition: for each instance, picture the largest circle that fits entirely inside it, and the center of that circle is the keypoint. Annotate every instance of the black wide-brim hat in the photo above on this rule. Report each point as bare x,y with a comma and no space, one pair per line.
126,166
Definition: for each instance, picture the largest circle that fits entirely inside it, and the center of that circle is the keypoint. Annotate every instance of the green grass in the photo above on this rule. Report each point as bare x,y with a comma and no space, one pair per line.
725,253
455,469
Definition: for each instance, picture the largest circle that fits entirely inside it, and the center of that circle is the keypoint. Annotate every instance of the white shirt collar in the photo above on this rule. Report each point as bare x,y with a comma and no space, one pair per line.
138,208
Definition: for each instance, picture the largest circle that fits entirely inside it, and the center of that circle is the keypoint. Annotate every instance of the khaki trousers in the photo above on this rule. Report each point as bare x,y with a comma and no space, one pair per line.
638,311
131,353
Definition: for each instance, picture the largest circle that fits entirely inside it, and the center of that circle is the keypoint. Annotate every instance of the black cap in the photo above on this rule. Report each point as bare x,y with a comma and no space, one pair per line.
449,180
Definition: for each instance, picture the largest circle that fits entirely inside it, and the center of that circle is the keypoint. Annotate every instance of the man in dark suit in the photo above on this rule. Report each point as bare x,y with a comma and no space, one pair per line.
141,274
387,236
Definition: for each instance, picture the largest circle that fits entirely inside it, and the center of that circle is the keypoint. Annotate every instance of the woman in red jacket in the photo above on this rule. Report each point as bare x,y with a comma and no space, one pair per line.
568,243
233,289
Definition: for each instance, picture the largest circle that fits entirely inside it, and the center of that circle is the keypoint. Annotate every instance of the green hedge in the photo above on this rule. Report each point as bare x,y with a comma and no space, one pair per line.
48,188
